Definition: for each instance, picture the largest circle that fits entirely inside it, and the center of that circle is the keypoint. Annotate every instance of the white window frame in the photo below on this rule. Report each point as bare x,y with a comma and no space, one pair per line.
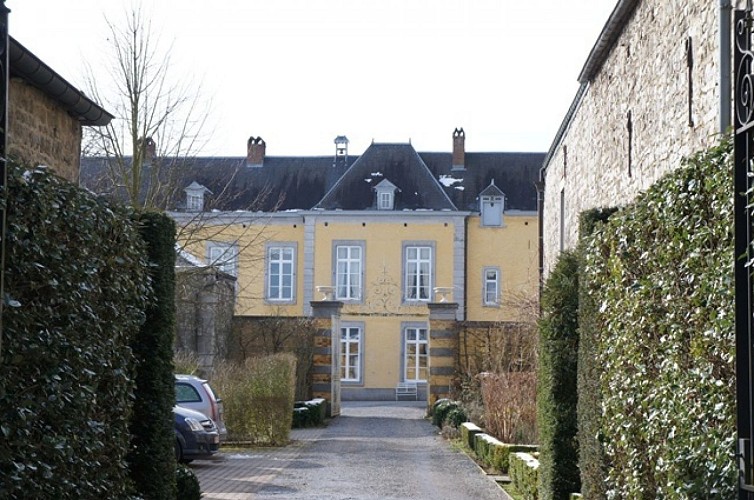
347,347
491,299
288,255
224,256
415,352
194,202
348,282
385,200
416,265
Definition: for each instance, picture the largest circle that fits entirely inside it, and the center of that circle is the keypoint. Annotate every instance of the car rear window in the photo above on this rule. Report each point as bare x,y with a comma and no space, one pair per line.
184,393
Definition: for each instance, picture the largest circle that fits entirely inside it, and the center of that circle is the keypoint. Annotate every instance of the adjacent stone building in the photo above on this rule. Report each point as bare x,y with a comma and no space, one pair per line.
46,114
650,94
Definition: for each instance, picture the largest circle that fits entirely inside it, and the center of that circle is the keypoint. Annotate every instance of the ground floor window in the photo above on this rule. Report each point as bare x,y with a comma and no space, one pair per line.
416,357
350,354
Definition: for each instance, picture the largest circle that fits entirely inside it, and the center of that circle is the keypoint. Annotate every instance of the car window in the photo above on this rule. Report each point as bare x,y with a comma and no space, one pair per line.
184,393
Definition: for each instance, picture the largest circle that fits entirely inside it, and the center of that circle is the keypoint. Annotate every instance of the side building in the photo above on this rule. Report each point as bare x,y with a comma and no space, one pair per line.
650,94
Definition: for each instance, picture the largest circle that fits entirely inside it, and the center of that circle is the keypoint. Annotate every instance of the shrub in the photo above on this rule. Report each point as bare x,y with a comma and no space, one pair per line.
309,413
510,412
76,287
455,417
556,381
468,433
258,398
523,473
152,459
447,412
187,483
186,363
661,272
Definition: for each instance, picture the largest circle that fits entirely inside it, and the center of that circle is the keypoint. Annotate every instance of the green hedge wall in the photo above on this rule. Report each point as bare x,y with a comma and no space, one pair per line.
75,294
152,457
556,381
660,272
588,409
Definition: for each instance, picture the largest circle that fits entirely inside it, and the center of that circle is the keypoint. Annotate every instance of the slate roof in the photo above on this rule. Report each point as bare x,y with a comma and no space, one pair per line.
425,180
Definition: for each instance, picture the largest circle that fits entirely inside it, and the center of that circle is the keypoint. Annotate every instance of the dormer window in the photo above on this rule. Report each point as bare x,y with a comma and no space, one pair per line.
385,195
195,197
492,205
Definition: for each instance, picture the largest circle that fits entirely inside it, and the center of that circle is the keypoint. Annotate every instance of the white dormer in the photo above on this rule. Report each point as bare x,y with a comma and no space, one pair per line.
491,205
385,195
195,197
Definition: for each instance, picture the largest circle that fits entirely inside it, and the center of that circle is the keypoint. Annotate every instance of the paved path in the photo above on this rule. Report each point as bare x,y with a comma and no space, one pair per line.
374,450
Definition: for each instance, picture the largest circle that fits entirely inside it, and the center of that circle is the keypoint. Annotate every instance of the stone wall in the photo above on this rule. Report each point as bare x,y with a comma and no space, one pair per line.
40,132
645,76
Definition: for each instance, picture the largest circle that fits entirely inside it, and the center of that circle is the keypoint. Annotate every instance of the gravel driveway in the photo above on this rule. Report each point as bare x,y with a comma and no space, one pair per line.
374,450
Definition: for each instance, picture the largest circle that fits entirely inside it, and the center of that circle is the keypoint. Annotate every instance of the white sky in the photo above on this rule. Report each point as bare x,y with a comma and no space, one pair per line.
300,72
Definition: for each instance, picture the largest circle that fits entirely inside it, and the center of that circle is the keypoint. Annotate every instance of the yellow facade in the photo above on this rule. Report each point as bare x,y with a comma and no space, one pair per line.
460,250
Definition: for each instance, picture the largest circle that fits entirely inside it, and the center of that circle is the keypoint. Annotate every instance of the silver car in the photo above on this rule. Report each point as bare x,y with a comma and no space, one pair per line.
196,394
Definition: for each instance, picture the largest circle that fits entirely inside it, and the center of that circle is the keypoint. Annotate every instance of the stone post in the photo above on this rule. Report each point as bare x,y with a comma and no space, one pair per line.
443,349
325,376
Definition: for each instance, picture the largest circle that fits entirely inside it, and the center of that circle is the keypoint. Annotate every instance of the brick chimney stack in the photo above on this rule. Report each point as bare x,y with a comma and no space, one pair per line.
149,151
459,149
255,149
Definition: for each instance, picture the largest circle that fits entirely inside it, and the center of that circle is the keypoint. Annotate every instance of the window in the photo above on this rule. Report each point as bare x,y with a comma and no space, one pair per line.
350,354
492,211
491,292
194,202
386,201
184,393
415,360
348,272
224,256
281,265
418,277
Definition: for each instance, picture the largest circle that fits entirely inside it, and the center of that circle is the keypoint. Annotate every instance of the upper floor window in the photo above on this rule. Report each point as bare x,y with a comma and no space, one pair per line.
348,271
418,272
491,286
281,272
491,205
195,197
386,195
224,256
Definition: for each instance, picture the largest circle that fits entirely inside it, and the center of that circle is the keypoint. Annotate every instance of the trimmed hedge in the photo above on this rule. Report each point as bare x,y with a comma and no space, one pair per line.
556,381
592,464
468,431
523,472
495,453
661,272
309,413
76,288
152,458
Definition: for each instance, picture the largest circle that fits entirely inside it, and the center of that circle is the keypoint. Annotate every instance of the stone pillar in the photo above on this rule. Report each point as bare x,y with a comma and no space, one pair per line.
443,349
325,376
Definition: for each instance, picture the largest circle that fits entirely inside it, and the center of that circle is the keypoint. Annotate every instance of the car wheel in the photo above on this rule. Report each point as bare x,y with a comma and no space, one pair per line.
178,451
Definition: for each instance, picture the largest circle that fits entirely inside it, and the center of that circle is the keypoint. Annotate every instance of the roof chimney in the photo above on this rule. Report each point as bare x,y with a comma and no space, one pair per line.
459,149
341,151
255,148
149,151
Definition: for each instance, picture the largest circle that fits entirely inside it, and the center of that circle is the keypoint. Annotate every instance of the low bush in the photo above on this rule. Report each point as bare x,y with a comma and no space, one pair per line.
523,472
188,483
447,412
258,397
510,410
468,432
496,454
309,413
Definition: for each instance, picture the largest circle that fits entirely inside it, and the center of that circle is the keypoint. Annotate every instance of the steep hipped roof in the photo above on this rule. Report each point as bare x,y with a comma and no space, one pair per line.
513,173
398,163
425,180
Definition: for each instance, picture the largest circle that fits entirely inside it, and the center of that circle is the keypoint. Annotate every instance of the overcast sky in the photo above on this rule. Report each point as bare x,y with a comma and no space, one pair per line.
300,72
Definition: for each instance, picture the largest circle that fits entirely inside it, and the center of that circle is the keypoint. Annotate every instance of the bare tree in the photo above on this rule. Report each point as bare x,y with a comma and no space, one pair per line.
159,115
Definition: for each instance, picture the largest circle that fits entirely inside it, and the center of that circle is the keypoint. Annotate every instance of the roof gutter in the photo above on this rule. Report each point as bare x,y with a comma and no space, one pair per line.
610,33
24,64
563,128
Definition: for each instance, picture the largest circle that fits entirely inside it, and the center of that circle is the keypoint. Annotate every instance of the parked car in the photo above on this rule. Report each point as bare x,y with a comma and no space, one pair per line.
196,394
196,436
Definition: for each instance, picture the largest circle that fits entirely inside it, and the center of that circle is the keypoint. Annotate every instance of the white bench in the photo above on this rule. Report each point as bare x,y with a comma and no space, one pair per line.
406,389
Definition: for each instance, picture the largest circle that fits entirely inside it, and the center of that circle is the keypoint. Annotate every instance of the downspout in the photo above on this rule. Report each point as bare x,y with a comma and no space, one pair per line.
540,185
725,69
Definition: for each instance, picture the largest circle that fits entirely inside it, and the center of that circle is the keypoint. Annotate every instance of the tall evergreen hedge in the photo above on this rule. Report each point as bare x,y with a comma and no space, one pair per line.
75,289
556,381
661,278
591,454
152,458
